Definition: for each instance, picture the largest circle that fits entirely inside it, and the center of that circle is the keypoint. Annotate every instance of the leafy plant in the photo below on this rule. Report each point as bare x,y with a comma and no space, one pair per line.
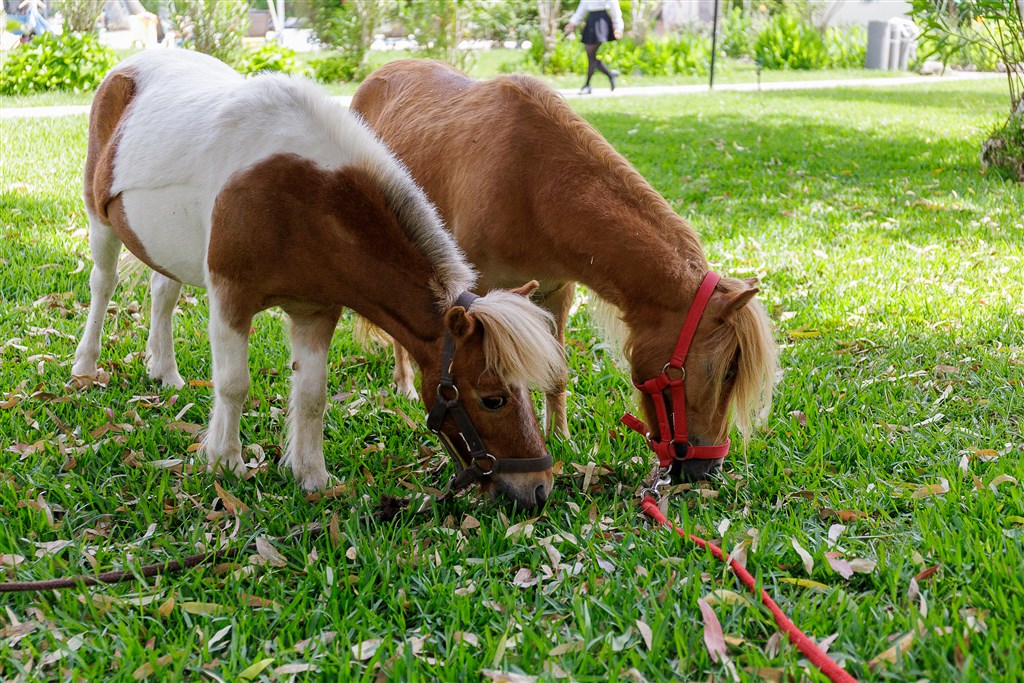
564,57
270,57
737,33
338,67
788,42
847,46
80,16
213,27
70,61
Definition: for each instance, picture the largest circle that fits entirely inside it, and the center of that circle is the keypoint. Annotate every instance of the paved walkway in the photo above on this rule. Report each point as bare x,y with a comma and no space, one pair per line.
599,93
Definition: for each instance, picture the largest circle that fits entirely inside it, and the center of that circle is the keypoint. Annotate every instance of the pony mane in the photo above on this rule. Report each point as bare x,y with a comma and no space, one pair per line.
519,343
416,214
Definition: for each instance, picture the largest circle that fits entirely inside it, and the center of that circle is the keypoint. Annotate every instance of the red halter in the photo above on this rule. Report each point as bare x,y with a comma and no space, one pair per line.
672,377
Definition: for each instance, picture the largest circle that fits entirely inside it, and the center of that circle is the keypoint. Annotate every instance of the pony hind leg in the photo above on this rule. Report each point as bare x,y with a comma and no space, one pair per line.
558,301
229,345
310,339
105,247
160,360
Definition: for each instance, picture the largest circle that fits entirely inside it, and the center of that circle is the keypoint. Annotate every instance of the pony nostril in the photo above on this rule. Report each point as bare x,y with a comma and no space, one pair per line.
540,495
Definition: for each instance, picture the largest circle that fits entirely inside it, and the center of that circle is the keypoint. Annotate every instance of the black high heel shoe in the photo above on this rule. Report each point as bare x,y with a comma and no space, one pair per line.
611,77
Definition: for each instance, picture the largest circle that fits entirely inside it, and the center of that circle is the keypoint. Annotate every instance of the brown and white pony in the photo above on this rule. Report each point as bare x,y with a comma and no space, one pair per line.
531,190
268,194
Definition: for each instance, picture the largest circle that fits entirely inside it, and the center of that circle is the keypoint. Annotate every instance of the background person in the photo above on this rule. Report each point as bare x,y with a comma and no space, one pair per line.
604,24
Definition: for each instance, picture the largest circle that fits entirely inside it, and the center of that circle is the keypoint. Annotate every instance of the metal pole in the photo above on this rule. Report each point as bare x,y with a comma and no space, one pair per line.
714,38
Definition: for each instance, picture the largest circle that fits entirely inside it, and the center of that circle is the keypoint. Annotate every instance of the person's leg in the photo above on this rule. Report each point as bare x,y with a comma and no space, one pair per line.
594,62
591,63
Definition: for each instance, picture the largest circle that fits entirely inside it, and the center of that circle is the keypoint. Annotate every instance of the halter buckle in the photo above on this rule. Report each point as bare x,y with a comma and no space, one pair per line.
492,466
681,370
440,393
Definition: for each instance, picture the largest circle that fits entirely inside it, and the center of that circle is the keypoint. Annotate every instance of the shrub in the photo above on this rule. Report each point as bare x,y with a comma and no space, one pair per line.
1004,149
565,57
691,54
80,16
787,42
847,47
339,67
737,34
270,57
213,27
71,61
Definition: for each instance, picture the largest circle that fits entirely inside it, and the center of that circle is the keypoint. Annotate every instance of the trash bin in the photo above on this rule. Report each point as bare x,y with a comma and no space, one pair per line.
891,44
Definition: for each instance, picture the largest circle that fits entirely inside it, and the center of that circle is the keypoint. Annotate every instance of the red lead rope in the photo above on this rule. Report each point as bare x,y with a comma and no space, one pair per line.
835,673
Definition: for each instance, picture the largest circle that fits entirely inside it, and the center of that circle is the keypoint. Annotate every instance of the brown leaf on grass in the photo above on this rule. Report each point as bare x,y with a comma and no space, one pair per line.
327,494
334,531
232,504
566,648
471,639
269,553
188,427
891,654
258,602
926,573
841,515
298,668
209,609
149,668
932,490
1001,479
524,578
11,559
839,564
165,609
805,556
366,649
521,530
646,633
507,677
714,639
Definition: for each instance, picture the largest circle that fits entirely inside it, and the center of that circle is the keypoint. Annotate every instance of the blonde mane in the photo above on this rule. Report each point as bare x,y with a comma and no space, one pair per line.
520,345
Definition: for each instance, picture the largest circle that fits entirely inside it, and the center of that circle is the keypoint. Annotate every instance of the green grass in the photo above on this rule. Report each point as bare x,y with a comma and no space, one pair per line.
892,268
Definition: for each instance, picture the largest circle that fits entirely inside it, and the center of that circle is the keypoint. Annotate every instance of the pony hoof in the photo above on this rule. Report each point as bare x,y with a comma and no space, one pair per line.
171,380
317,482
409,392
230,467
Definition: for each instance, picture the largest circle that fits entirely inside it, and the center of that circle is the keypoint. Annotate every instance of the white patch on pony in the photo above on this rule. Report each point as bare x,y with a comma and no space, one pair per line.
519,340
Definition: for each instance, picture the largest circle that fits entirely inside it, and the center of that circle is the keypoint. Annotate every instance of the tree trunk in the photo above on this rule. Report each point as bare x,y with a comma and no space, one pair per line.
643,13
549,11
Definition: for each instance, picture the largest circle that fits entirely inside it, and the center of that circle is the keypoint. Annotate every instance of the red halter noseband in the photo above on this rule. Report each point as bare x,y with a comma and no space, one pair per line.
677,446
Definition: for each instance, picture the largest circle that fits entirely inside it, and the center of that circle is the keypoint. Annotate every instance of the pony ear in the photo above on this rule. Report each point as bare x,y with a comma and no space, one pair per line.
459,322
736,300
527,289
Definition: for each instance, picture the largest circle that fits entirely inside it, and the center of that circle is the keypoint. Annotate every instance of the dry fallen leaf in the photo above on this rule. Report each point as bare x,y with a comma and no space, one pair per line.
209,609
524,578
1001,479
507,677
366,649
891,654
269,553
714,640
232,504
805,556
253,670
645,633
565,648
932,489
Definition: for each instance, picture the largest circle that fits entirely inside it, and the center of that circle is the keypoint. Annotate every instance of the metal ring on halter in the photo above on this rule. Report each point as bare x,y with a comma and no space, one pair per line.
489,470
669,366
442,396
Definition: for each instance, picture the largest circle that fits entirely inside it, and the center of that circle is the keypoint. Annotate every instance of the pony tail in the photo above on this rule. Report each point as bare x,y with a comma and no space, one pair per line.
519,341
758,368
367,335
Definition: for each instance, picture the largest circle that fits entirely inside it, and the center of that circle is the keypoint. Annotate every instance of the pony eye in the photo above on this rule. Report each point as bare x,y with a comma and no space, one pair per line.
494,402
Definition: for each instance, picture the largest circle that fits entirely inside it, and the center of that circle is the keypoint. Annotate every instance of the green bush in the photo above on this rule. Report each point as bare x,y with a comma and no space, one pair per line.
847,47
75,62
737,34
213,27
270,57
788,42
567,57
691,54
339,67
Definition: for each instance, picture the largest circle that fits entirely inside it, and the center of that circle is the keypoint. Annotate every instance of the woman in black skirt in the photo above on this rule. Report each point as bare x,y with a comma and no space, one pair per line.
604,24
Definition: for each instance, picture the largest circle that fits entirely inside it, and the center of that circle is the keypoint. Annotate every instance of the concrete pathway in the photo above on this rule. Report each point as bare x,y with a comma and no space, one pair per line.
600,93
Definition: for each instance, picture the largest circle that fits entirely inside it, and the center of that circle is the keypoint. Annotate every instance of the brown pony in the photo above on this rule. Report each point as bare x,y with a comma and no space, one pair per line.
531,190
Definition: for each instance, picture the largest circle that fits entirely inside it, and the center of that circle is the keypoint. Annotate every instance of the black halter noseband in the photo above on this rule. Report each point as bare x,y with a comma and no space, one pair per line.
480,463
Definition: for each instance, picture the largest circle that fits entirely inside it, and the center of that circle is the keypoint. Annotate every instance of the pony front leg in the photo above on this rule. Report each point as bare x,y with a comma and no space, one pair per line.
229,344
104,246
405,374
304,453
160,360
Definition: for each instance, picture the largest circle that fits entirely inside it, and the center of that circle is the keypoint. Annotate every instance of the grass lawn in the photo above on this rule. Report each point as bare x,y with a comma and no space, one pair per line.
894,271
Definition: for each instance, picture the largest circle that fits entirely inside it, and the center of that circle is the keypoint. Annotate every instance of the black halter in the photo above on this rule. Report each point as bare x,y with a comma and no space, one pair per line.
480,464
